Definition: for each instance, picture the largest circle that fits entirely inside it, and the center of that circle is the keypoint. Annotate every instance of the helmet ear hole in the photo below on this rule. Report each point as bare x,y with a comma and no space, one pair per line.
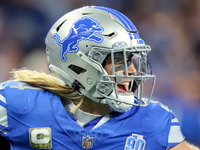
78,70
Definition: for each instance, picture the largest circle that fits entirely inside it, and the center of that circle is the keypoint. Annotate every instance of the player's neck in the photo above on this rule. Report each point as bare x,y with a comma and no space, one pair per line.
92,107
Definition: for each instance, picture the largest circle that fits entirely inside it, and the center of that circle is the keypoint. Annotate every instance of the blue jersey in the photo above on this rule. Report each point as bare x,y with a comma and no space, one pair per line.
33,118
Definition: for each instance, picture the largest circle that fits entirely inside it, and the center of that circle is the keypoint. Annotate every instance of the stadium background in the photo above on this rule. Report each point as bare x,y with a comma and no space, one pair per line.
172,28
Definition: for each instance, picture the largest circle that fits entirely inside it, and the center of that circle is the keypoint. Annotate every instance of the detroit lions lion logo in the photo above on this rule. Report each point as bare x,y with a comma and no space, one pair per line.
83,29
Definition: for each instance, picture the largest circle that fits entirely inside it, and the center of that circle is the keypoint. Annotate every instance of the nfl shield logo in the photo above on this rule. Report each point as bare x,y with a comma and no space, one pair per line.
87,142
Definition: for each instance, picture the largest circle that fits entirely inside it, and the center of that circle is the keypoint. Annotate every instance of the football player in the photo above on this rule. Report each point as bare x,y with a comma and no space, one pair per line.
93,97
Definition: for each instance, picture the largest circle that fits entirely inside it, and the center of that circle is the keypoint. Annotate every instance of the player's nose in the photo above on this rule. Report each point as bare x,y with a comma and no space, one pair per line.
131,70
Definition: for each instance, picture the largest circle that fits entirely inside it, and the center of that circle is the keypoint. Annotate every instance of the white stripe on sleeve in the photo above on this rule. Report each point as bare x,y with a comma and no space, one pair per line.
2,99
175,135
3,114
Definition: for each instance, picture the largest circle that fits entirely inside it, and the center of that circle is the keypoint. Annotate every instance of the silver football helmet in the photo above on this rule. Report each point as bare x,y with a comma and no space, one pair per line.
83,41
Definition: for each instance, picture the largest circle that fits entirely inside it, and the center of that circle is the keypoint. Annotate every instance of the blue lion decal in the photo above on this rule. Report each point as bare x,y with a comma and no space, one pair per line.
83,29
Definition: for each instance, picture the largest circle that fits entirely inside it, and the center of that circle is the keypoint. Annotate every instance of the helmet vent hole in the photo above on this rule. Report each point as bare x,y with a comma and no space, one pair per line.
58,28
78,70
111,34
86,14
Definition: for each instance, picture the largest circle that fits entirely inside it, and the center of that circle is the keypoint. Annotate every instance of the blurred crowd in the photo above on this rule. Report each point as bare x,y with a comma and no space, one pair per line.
171,28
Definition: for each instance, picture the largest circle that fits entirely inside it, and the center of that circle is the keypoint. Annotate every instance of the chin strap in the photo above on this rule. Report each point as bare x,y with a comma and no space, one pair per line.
76,86
135,85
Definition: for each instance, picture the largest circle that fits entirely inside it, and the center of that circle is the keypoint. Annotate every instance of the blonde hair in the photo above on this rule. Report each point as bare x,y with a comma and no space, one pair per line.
47,82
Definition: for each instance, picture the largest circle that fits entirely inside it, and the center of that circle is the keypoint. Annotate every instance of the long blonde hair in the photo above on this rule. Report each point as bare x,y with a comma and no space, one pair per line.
47,82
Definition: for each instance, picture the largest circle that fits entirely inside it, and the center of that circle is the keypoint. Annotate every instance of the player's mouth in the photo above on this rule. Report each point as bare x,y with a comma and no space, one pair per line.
123,88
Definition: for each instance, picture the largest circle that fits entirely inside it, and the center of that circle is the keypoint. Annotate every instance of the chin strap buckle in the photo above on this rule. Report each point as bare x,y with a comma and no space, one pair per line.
76,87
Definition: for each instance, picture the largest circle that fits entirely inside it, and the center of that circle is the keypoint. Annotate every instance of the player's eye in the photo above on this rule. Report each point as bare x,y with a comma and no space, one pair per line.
119,58
118,61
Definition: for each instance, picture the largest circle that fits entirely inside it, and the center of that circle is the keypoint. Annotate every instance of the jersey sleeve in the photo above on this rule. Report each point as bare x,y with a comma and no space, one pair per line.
3,112
172,136
175,135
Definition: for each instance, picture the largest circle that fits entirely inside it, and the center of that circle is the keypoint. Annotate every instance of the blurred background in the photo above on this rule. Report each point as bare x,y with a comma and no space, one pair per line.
171,28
